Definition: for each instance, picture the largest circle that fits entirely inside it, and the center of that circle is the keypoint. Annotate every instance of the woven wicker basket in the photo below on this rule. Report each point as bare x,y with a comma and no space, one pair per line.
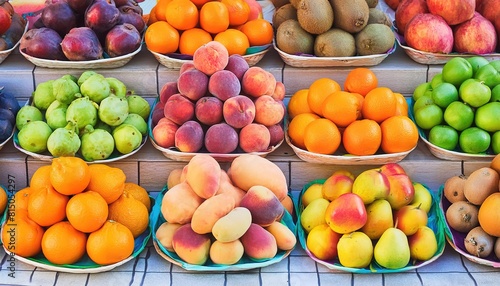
6,53
453,155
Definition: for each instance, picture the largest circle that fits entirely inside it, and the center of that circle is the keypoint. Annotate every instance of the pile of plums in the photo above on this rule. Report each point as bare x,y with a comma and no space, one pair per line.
82,30
11,26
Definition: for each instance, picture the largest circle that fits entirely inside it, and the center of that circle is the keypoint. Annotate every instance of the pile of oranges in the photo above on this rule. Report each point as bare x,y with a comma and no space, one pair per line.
72,208
363,118
182,26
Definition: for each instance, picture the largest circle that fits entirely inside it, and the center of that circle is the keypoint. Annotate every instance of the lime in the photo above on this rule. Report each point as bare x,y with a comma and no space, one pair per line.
456,71
474,92
436,80
495,142
420,90
474,140
428,116
487,117
477,62
459,115
444,136
444,94
424,100
495,93
489,74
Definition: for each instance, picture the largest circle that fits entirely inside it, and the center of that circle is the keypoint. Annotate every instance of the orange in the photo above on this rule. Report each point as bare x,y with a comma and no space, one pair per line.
362,137
297,127
21,198
87,211
152,16
3,199
259,32
182,14
192,39
234,40
238,10
322,136
137,192
161,37
379,104
23,236
200,3
41,177
399,134
214,17
46,206
107,181
318,91
298,103
131,213
360,80
160,10
69,175
489,216
342,108
495,163
112,243
63,244
401,104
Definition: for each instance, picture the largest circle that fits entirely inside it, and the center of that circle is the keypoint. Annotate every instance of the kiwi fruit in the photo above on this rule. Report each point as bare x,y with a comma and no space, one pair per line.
372,3
295,3
480,184
284,13
315,16
453,189
278,3
377,16
462,216
350,16
334,43
374,39
291,38
478,242
496,248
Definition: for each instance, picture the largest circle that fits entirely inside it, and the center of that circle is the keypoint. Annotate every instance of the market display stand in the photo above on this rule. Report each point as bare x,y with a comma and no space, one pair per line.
150,168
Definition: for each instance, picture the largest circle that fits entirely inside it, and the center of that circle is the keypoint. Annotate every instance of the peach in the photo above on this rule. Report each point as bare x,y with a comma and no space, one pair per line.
179,109
256,82
287,203
268,111
233,225
165,233
186,66
277,134
193,84
174,177
167,90
157,114
237,65
254,137
224,84
164,133
221,138
248,170
285,238
189,137
179,203
191,247
238,111
279,91
211,210
227,187
263,205
259,243
255,10
203,175
208,110
226,253
211,57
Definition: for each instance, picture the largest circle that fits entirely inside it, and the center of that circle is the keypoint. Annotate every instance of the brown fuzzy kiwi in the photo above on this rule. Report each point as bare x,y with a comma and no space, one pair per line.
462,216
377,16
496,248
453,189
372,3
284,13
292,39
334,43
315,16
478,242
480,184
374,39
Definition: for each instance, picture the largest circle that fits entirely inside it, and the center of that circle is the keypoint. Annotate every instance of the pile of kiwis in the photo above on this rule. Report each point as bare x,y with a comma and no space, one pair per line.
332,28
467,195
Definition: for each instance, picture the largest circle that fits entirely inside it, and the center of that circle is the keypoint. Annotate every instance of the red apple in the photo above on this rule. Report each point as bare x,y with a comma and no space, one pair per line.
392,169
346,214
255,10
409,218
475,36
406,11
401,191
429,33
453,11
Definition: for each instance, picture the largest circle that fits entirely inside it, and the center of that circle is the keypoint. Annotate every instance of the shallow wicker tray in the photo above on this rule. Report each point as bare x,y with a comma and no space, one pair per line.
245,263
107,63
312,61
456,238
7,140
434,222
176,63
6,53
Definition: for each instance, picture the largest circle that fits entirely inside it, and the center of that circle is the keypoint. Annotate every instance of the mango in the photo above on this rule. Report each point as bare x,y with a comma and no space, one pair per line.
259,243
285,238
263,205
211,210
191,247
203,175
248,170
179,203
233,225
226,253
165,233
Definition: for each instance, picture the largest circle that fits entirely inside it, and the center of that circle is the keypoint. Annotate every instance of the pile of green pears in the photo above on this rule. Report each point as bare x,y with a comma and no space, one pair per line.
90,115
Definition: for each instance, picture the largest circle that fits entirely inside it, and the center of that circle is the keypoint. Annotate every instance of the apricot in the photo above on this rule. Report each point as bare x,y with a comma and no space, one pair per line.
211,57
221,138
189,137
263,205
179,109
179,203
210,211
285,238
268,111
224,84
193,84
191,247
238,111
165,234
259,243
257,82
203,175
254,137
226,253
233,225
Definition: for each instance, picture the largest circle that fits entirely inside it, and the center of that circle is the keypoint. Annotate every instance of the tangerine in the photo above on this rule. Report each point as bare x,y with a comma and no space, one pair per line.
23,237
362,137
259,32
379,104
190,40
360,80
87,211
234,40
131,213
239,10
21,198
399,134
318,91
161,37
401,104
107,181
160,10
342,108
214,17
182,14
63,244
298,103
41,177
137,192
112,243
69,175
3,199
46,206
297,127
322,136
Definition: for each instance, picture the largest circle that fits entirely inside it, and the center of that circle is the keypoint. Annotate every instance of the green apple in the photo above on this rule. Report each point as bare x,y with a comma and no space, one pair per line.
459,115
444,136
444,94
474,92
429,116
474,140
487,117
456,71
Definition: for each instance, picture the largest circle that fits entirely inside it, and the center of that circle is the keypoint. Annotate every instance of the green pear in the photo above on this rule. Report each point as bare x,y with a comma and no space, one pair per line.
392,250
71,77
379,218
113,110
84,76
55,115
26,114
102,125
97,144
65,90
96,87
137,121
43,95
127,138
82,111
138,105
34,135
64,141
117,87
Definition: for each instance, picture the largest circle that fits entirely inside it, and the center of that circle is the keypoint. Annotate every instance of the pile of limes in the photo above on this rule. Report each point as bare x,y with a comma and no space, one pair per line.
459,108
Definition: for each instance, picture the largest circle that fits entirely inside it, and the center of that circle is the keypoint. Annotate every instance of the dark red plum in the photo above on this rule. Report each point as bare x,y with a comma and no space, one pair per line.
81,44
59,17
15,31
43,43
102,15
132,15
121,40
79,6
